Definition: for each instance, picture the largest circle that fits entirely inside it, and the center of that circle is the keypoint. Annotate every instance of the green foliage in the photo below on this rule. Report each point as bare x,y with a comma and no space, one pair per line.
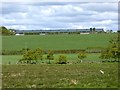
112,51
24,50
31,56
62,59
39,53
106,54
50,56
114,48
5,31
71,58
82,55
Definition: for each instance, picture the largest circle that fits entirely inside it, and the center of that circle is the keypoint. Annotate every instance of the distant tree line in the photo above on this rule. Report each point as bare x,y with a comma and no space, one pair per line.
5,31
31,33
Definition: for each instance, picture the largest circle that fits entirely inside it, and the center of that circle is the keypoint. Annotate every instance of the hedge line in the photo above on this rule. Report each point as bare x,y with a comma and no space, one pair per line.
20,52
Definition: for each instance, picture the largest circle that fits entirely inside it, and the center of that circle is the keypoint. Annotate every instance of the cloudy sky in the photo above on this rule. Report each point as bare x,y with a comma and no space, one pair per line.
54,15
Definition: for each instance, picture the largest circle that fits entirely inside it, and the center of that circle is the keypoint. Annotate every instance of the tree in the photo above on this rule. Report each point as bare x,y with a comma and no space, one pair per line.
109,31
106,54
113,48
91,30
112,51
94,29
50,56
82,55
24,50
5,31
39,53
31,56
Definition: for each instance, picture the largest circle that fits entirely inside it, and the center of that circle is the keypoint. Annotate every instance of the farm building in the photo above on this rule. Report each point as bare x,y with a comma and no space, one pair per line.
57,31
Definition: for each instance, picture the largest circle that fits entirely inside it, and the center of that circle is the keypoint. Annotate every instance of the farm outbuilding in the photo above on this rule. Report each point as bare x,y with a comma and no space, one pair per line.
58,31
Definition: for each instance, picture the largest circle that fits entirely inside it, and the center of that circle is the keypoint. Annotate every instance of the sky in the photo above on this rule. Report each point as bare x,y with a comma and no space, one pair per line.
57,15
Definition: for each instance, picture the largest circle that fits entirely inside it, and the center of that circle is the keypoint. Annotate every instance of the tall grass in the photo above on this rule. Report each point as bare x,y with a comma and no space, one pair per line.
83,75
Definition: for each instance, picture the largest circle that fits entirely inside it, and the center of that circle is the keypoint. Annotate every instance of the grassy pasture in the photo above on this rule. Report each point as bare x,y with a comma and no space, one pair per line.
70,57
56,42
83,75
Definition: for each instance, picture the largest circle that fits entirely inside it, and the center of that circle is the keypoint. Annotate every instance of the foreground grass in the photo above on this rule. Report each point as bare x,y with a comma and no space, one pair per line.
83,75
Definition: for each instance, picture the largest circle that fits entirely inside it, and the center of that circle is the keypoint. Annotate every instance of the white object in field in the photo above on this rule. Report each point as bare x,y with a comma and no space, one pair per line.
101,71
19,34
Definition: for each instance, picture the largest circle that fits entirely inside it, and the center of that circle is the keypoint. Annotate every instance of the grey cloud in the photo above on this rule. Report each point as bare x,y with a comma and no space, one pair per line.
13,8
59,15
101,7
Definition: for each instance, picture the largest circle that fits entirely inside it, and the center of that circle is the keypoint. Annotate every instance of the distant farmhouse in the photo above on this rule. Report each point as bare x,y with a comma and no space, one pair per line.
59,31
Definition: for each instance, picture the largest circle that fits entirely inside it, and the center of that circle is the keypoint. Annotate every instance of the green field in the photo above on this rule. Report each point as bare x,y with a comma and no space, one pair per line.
71,75
84,75
56,42
70,58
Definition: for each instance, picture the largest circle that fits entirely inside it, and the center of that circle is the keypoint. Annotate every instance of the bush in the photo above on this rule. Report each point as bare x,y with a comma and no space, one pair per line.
50,56
31,56
82,55
112,51
62,59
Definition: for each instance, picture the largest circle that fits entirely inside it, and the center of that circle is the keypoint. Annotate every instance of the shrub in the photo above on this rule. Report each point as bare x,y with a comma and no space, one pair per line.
82,55
50,56
62,59
112,51
31,56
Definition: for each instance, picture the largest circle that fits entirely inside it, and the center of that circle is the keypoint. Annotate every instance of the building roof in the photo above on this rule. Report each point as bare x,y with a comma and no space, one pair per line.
57,30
